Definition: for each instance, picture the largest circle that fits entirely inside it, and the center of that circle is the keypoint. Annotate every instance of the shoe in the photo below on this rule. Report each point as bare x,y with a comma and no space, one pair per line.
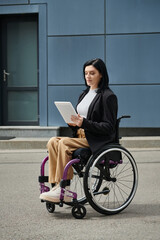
46,193
54,195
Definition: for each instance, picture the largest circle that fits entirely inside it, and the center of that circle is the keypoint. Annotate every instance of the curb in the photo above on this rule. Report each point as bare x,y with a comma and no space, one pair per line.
40,143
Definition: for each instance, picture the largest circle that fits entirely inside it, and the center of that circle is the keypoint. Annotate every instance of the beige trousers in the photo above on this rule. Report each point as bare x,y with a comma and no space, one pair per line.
60,153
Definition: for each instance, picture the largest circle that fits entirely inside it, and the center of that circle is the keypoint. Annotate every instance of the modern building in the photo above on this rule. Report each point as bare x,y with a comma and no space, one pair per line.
44,44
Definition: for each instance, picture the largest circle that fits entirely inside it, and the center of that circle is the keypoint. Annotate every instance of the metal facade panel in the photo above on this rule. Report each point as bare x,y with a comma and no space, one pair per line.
135,16
43,65
66,56
18,9
13,2
133,59
141,102
61,93
75,17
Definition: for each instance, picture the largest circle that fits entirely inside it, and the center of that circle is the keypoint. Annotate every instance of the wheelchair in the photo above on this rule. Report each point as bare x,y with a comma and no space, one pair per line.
107,180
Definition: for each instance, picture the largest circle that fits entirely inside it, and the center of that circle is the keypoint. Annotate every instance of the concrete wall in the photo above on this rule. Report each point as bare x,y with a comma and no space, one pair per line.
124,33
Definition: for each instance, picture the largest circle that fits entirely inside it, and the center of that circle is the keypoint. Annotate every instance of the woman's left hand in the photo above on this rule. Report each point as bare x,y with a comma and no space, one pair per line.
77,120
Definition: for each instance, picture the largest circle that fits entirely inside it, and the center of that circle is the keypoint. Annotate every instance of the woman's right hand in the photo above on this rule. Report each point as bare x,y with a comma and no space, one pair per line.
78,120
71,124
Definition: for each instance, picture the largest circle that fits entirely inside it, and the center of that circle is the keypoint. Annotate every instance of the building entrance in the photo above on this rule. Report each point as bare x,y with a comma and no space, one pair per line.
19,69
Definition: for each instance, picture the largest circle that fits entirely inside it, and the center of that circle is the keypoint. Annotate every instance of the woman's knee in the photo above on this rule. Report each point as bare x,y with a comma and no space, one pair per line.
52,141
64,141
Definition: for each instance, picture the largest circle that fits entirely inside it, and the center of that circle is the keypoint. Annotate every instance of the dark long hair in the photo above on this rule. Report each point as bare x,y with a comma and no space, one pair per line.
101,67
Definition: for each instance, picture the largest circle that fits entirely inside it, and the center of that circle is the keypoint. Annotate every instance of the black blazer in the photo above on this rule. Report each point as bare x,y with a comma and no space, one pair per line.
100,124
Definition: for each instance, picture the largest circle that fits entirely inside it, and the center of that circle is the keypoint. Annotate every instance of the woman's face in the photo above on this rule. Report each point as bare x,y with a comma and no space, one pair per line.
92,77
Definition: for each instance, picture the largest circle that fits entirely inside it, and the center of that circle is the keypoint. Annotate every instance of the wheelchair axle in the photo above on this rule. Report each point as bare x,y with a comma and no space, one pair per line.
105,191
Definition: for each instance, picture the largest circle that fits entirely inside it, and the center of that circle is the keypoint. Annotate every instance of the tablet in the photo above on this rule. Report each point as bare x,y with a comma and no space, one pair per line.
66,109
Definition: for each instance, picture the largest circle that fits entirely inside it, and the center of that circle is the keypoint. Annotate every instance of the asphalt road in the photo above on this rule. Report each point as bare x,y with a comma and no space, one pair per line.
24,217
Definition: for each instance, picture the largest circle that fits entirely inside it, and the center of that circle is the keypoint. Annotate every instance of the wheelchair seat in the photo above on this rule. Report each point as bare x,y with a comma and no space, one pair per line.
83,154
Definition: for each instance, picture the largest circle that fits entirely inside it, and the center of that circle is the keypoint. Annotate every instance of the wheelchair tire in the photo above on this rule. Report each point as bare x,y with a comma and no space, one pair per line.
79,211
118,180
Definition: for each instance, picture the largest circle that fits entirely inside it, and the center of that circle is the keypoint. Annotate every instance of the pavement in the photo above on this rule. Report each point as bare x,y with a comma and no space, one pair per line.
24,217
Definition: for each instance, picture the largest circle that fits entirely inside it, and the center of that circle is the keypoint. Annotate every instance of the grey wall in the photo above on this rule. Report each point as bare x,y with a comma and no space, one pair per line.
124,33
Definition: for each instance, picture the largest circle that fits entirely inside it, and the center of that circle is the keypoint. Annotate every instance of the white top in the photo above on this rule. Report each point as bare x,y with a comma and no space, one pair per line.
83,106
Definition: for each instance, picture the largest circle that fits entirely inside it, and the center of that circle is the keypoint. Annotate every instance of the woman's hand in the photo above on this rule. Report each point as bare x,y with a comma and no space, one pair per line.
72,124
77,120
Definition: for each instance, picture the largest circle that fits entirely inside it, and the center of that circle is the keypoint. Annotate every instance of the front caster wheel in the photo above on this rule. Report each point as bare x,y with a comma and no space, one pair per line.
50,207
79,211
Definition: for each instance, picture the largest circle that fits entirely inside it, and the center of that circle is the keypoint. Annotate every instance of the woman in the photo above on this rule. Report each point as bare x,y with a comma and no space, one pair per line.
94,126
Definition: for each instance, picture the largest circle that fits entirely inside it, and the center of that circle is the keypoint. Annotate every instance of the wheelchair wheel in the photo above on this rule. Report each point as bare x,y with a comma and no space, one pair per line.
79,211
50,207
116,170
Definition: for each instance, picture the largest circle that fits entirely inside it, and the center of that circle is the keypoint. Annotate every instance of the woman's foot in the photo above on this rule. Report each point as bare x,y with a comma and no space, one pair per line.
54,195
